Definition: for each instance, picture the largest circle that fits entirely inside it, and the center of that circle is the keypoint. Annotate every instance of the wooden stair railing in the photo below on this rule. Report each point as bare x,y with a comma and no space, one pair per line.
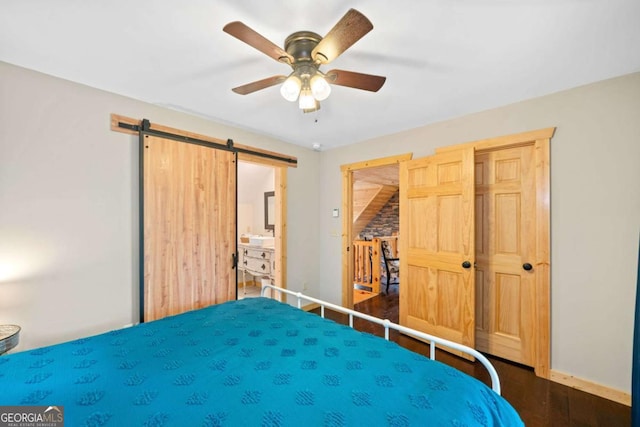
366,264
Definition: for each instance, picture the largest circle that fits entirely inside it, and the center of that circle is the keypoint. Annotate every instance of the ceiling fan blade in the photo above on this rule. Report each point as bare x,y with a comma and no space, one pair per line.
355,80
351,28
243,33
258,85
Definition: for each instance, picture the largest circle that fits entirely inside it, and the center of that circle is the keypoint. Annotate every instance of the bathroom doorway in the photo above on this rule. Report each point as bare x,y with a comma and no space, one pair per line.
256,242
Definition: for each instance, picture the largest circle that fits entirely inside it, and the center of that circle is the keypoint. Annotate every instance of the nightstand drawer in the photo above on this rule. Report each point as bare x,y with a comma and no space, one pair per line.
258,265
257,253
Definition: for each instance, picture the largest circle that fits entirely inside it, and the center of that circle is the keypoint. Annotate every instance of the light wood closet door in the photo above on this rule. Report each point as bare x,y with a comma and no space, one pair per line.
189,224
505,244
437,239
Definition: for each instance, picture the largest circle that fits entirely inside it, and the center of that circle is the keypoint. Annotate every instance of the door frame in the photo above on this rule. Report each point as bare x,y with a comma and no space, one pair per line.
540,139
347,217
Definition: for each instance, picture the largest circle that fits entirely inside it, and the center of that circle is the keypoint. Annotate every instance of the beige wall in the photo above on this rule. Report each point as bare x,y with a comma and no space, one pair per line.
68,209
595,213
253,181
69,205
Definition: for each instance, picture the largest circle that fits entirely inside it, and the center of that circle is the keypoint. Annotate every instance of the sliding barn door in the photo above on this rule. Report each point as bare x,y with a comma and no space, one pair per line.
437,245
189,225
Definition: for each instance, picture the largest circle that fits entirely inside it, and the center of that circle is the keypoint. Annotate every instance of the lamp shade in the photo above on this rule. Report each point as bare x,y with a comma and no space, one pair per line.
306,101
290,89
320,88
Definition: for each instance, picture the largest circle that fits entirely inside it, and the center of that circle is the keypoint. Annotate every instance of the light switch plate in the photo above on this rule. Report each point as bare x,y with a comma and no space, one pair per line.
336,213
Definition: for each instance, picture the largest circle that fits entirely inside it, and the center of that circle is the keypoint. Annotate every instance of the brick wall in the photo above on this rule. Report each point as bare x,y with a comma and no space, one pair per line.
387,222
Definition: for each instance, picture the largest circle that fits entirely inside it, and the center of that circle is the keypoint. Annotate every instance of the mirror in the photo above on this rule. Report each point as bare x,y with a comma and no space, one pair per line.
269,210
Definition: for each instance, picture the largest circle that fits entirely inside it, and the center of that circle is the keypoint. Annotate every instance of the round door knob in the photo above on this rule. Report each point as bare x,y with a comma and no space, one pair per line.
466,264
527,266
264,266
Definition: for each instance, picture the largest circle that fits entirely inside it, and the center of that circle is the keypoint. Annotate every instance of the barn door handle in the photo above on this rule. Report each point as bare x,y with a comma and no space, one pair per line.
466,264
527,266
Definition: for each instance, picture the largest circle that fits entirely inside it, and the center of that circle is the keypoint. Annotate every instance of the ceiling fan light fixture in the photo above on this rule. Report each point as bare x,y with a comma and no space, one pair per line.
315,108
320,88
290,89
306,100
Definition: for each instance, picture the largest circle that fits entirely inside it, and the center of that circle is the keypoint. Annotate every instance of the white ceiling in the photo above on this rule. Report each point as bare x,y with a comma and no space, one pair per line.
442,58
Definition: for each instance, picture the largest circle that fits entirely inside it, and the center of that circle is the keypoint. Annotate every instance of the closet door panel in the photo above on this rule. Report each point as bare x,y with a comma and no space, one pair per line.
508,214
437,245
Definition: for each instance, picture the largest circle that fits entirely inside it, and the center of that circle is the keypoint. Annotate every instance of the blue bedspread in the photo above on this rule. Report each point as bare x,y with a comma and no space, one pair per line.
255,362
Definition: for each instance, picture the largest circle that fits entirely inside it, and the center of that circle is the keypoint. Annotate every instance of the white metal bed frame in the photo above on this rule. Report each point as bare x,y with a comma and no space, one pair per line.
387,324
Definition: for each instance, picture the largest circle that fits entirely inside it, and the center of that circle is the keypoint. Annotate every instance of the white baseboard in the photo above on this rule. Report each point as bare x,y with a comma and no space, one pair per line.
591,387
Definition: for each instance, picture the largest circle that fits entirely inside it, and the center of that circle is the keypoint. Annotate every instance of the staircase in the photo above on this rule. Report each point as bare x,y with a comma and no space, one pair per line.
368,199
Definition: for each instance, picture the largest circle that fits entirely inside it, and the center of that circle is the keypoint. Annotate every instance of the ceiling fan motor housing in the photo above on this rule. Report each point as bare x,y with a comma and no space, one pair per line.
300,45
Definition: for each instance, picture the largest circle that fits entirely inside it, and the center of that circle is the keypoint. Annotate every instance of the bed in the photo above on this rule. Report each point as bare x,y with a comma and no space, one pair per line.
252,362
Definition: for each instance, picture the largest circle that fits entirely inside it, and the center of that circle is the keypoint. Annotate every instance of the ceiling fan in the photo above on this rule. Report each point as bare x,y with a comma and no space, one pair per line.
305,52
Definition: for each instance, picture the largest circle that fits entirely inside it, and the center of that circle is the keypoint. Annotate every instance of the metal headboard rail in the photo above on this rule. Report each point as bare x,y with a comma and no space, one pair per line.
387,324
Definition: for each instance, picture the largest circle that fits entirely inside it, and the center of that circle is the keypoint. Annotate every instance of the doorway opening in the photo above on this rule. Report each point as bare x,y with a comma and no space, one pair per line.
256,228
370,229
261,234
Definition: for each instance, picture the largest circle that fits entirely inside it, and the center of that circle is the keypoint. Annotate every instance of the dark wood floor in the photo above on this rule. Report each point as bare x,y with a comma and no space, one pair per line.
538,401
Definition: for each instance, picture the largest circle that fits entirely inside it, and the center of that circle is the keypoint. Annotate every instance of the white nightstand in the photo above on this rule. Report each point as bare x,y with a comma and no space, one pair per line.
257,261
